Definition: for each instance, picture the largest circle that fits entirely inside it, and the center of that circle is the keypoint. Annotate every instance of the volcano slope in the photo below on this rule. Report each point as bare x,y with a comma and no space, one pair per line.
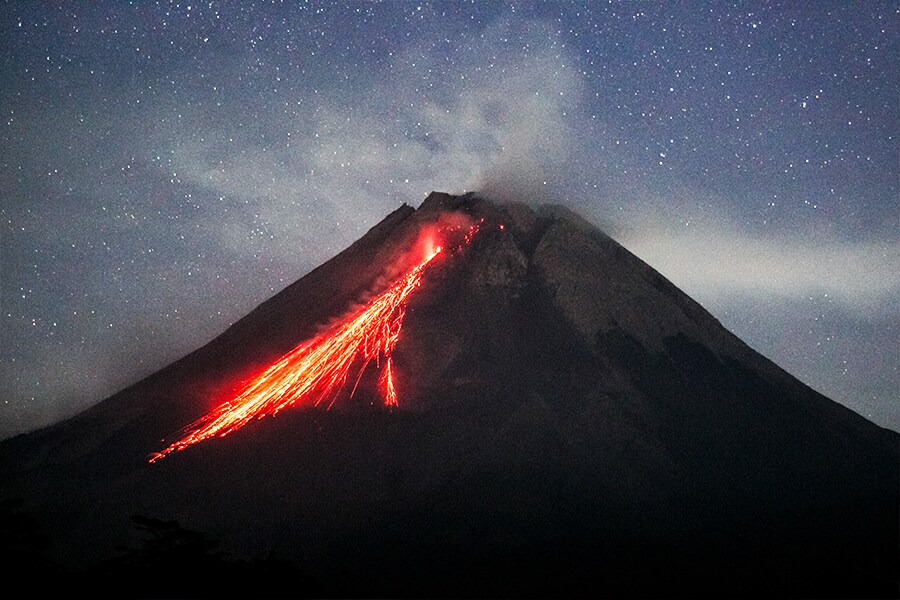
569,424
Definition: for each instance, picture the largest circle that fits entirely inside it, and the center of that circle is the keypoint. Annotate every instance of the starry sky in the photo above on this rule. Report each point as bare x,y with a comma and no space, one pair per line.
167,166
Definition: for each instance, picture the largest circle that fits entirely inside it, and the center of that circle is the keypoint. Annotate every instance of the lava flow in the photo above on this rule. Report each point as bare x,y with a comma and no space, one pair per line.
317,369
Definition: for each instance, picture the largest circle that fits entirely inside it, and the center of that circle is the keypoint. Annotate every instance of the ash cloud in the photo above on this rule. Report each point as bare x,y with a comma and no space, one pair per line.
501,119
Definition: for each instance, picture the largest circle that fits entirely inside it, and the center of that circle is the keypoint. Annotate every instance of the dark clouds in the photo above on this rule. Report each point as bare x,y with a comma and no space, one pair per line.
167,168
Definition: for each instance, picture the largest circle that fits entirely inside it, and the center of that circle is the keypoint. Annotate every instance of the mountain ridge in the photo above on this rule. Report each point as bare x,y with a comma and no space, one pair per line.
562,405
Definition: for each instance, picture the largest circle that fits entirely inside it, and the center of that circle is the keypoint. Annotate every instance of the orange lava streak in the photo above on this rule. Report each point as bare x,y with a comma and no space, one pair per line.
317,369
387,383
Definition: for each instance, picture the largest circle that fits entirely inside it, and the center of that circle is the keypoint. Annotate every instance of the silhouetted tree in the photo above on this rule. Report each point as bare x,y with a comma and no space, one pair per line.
171,561
175,562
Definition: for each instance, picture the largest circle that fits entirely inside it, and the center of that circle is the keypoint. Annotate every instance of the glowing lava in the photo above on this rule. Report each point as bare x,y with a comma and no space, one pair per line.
316,370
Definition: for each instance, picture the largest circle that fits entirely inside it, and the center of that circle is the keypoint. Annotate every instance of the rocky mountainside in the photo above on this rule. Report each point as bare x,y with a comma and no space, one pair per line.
569,420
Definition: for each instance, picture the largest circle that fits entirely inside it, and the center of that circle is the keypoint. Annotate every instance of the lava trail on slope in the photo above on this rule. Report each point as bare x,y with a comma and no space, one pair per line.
317,369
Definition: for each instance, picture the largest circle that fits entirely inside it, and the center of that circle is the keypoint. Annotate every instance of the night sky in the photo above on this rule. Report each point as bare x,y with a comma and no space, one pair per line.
168,166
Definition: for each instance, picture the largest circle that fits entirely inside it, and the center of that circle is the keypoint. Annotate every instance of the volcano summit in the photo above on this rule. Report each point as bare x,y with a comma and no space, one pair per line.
530,410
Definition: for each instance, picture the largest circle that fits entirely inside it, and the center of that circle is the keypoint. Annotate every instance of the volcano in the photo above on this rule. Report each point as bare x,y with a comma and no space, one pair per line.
534,412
